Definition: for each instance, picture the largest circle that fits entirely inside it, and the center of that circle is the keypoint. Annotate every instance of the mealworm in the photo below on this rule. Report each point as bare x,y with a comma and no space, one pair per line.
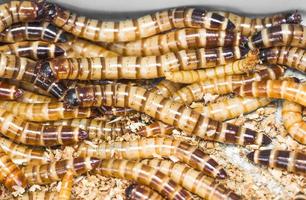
281,35
44,31
224,85
37,195
290,56
165,110
300,196
292,161
151,147
248,26
166,88
47,173
115,111
193,180
141,192
145,175
10,174
21,154
66,186
177,40
30,97
237,67
155,129
292,114
9,92
278,89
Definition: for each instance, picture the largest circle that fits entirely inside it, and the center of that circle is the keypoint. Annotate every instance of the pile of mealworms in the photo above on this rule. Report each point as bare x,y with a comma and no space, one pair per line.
71,82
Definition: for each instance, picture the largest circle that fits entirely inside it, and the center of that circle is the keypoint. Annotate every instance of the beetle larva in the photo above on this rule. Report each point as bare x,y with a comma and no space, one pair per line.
281,35
66,187
292,161
141,192
10,174
55,171
278,89
36,50
292,116
155,128
178,40
299,196
247,26
166,88
165,110
37,195
115,111
21,154
44,31
193,180
9,92
30,97
224,85
145,175
159,146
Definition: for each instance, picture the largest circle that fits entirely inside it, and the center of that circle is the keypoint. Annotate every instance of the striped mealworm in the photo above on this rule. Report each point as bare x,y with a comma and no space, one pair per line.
193,180
166,88
21,154
237,67
66,186
278,89
44,31
55,171
9,92
281,35
248,26
299,196
290,56
31,97
292,116
133,29
145,175
160,146
141,192
10,174
165,110
292,161
115,111
177,40
155,129
37,195
224,85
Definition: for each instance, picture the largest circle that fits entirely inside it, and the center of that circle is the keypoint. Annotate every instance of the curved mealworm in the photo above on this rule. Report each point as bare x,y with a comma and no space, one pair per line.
177,40
155,129
150,147
9,92
37,195
145,175
292,161
300,196
115,111
166,88
141,192
279,89
55,171
31,97
292,114
281,35
193,180
66,186
224,85
165,110
33,31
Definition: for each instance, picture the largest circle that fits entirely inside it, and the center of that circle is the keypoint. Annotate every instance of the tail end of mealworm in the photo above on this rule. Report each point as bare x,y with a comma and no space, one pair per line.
59,51
222,174
230,25
250,156
18,93
244,51
265,140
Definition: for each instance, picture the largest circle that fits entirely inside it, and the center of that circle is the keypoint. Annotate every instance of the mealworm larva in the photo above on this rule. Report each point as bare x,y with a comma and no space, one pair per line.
141,192
9,92
193,180
166,88
281,35
10,174
290,56
299,196
223,85
31,97
21,154
292,114
155,129
151,147
178,40
278,89
231,108
37,195
145,175
115,111
55,171
165,110
66,187
33,31
247,26
292,161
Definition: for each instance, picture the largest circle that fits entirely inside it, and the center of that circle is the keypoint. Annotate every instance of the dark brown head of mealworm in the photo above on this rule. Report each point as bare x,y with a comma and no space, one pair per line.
45,69
18,93
46,10
71,98
243,42
294,18
82,134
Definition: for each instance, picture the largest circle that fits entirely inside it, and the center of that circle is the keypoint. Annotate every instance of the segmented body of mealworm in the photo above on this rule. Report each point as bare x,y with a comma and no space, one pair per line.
292,161
9,92
165,110
224,85
33,31
30,97
299,196
166,88
292,114
115,111
193,180
10,174
281,35
55,171
150,147
178,40
21,154
279,89
247,26
141,192
66,187
37,195
156,128
145,175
